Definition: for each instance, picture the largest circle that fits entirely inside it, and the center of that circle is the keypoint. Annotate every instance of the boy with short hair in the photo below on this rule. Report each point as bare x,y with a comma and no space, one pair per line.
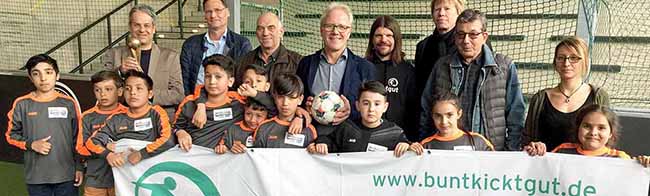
46,126
287,91
141,121
240,135
222,110
370,133
108,88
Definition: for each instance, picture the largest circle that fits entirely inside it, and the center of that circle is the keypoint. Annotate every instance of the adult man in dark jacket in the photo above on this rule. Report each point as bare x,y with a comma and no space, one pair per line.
486,83
335,67
218,40
271,54
397,75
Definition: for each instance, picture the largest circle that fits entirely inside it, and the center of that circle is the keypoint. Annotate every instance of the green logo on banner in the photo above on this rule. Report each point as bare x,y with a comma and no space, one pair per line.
197,177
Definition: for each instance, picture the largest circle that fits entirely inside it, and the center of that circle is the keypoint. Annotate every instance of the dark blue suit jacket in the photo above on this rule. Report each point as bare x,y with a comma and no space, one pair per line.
357,71
192,55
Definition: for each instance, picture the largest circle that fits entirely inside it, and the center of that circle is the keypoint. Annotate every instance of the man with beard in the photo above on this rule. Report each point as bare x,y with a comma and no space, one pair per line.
397,75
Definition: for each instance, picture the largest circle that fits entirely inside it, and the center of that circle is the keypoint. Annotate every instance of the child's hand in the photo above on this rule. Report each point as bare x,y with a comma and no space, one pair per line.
78,178
321,149
400,149
417,148
247,90
643,160
296,125
308,103
220,149
135,157
42,146
184,140
115,159
111,146
343,113
535,149
306,117
199,119
238,147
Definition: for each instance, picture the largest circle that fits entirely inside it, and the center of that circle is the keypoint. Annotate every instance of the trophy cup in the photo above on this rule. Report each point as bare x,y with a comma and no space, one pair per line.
134,45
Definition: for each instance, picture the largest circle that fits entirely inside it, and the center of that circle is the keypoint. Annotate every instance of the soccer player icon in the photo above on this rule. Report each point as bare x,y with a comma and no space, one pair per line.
163,189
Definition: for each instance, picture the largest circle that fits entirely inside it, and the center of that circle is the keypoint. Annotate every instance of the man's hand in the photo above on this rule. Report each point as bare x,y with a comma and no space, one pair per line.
343,113
321,149
115,159
238,147
220,149
78,178
296,125
134,157
535,149
184,140
42,146
309,103
247,90
200,118
130,63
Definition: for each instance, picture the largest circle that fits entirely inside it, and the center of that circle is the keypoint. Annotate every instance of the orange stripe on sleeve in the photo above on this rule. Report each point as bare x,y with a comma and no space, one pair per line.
10,117
180,106
313,131
165,133
565,146
427,140
258,127
91,146
81,149
484,140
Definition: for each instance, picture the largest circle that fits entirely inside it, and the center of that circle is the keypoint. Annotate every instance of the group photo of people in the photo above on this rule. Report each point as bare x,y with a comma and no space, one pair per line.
218,92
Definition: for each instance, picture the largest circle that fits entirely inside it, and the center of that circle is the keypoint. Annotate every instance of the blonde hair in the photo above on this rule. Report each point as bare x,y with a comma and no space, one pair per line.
577,45
335,6
460,5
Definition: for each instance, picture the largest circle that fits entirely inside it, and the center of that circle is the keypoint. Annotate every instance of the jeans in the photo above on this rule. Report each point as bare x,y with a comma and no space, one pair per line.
57,189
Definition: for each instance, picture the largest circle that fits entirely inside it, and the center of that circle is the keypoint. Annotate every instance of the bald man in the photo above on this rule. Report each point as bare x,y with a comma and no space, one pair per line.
271,54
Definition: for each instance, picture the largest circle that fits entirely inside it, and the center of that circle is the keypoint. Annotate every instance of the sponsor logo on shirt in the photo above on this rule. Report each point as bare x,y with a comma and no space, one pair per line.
352,140
273,137
32,113
392,85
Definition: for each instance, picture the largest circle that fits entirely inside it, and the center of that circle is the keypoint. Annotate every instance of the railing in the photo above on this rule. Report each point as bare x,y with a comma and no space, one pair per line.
107,18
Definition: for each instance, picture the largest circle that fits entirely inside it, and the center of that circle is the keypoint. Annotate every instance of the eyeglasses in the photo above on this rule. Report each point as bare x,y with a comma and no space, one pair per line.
571,59
462,35
333,27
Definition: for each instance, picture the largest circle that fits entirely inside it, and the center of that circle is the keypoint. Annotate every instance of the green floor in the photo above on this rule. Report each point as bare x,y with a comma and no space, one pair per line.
12,181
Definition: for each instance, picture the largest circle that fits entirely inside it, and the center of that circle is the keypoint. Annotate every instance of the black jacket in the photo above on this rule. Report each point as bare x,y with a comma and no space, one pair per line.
354,137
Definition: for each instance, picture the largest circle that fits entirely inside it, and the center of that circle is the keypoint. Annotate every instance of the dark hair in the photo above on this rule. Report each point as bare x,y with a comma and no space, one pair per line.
259,70
612,120
255,105
222,1
41,58
470,15
137,74
397,55
107,75
287,85
373,86
444,95
225,62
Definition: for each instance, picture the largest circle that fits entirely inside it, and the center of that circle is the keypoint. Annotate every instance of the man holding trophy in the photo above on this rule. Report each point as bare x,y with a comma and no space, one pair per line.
142,54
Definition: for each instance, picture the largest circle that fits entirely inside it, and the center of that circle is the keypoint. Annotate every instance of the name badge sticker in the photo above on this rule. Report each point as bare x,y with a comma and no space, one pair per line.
142,124
249,141
222,114
57,112
464,148
294,139
376,148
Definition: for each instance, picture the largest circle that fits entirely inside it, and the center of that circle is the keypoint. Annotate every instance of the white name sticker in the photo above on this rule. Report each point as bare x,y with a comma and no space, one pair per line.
376,148
57,112
249,141
294,139
142,124
222,114
464,148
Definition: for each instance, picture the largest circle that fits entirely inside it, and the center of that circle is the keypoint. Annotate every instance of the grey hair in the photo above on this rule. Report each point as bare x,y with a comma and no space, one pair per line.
471,15
143,8
334,6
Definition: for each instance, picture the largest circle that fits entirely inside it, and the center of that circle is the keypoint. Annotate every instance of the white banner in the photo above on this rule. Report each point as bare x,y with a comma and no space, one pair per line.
289,172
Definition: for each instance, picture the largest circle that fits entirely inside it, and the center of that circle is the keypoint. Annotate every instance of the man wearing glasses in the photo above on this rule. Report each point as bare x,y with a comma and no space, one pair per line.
335,67
486,83
218,40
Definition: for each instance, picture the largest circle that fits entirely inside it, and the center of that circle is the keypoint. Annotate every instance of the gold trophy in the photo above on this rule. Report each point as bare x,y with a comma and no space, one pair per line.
134,45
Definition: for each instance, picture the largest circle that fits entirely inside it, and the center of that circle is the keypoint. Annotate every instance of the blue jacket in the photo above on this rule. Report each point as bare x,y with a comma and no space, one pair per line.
357,71
192,55
514,101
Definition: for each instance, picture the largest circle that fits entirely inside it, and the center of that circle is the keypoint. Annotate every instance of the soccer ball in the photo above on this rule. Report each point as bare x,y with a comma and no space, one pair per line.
325,105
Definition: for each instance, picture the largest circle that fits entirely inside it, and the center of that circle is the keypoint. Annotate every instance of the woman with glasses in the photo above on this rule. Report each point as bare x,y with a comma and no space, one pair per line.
552,111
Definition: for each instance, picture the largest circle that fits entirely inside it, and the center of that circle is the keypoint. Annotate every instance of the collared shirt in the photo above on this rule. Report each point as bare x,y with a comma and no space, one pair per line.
260,60
211,47
329,76
469,92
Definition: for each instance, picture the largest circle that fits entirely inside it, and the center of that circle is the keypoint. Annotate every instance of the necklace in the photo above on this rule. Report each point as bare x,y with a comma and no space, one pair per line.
567,98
